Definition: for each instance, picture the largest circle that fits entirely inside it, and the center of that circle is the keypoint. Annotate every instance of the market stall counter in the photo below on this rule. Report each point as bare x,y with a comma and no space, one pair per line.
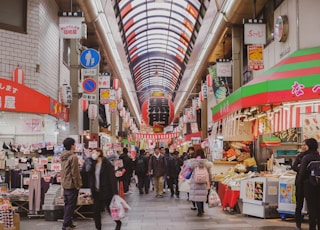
259,196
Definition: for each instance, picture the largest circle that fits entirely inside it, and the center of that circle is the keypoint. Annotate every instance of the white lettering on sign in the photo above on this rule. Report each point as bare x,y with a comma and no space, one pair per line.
10,102
8,88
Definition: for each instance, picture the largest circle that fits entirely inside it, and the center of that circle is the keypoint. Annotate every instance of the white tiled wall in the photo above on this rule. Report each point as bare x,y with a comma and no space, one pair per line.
38,51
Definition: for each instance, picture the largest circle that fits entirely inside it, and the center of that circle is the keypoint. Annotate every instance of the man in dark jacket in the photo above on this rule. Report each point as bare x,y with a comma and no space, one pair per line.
311,191
174,167
141,169
128,165
157,168
70,180
102,182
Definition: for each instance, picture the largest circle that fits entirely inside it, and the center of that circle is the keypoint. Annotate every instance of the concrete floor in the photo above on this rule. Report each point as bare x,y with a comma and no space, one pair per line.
150,213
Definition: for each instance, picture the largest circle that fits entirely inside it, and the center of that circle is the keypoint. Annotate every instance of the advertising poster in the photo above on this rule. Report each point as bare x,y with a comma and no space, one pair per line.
255,57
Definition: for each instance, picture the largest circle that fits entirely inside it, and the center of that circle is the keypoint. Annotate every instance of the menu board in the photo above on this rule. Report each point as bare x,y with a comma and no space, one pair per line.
254,190
311,126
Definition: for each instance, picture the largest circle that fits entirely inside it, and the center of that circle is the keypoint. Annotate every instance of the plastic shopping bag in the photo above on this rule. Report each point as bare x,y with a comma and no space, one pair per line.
186,170
184,184
118,207
213,199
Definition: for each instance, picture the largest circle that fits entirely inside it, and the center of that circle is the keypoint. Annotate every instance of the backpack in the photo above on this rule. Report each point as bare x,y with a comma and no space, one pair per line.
140,165
314,167
201,175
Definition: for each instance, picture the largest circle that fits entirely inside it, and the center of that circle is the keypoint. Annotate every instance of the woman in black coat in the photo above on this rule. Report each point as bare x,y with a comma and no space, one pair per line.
311,192
299,187
103,184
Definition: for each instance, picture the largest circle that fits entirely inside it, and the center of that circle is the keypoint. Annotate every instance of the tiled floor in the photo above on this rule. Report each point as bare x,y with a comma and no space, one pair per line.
150,213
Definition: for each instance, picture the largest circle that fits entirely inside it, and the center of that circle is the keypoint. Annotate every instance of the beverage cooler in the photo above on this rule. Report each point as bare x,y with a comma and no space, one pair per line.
287,197
259,197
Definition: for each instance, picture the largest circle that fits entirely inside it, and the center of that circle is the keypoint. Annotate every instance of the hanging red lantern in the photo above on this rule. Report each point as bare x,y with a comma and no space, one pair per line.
84,104
116,84
209,80
157,111
93,111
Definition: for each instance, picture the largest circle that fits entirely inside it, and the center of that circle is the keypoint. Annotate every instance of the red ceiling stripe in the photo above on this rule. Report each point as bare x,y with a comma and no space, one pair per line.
191,10
128,25
126,10
132,50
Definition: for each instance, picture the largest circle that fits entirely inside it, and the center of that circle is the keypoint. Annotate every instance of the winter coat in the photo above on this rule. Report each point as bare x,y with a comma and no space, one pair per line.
158,166
199,192
127,164
174,167
146,165
304,172
70,171
108,182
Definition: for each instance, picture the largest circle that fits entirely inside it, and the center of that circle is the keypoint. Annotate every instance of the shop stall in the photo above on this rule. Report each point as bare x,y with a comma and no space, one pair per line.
259,196
287,197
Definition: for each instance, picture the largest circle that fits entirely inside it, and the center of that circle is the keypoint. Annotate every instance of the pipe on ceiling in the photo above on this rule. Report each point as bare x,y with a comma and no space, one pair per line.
93,16
214,42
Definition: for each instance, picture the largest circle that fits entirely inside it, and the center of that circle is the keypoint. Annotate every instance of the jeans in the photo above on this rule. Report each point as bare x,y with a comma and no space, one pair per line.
70,203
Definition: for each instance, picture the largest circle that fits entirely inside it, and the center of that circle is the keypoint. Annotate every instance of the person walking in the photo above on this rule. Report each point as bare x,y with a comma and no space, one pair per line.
199,190
311,191
102,183
299,188
141,170
128,166
174,167
157,168
71,181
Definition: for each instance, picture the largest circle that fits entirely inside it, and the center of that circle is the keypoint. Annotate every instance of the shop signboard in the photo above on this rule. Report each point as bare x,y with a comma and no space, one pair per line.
255,57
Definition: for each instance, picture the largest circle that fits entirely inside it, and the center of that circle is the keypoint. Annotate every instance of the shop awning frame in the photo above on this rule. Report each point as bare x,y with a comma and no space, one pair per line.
296,78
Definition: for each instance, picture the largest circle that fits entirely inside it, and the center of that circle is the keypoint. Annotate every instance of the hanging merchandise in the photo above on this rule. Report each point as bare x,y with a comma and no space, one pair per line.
93,111
209,80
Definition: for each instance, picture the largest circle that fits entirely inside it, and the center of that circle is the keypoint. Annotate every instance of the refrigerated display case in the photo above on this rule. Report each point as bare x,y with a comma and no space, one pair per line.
259,196
287,197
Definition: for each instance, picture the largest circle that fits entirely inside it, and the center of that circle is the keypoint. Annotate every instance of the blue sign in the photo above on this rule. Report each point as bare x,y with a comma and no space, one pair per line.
89,85
89,58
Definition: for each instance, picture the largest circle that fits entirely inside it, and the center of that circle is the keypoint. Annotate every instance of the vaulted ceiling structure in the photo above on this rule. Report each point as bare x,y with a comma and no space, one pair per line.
159,37
161,45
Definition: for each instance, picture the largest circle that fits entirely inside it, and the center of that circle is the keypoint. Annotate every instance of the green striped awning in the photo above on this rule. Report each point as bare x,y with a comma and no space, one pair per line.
296,78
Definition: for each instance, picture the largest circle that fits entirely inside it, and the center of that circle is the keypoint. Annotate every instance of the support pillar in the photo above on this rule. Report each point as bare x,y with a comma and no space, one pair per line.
237,42
75,112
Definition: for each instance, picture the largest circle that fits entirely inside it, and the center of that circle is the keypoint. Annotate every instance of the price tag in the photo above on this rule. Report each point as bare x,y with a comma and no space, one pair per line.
34,176
43,161
56,167
26,181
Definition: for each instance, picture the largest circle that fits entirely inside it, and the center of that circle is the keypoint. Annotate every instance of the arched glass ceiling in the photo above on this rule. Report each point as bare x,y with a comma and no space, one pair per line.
158,36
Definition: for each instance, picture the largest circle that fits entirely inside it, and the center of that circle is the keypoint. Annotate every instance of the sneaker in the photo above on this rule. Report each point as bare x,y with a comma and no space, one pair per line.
72,225
160,196
193,208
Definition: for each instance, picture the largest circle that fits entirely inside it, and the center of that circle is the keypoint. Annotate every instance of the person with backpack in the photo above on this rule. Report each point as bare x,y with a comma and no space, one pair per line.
299,188
200,180
141,170
309,170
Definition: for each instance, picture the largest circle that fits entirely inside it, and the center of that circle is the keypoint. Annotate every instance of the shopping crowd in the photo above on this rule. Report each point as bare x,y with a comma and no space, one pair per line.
160,169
